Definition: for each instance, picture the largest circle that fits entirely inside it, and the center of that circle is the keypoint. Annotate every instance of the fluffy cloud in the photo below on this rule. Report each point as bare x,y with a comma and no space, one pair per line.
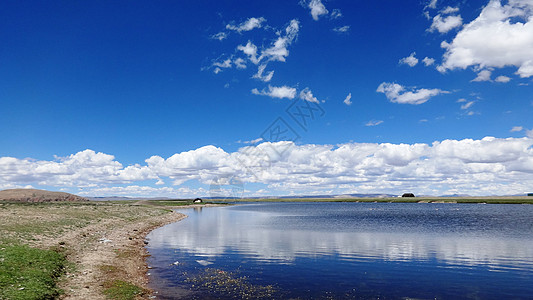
317,8
398,94
510,28
487,166
307,95
348,99
445,24
502,79
411,60
483,75
428,61
247,25
250,50
277,92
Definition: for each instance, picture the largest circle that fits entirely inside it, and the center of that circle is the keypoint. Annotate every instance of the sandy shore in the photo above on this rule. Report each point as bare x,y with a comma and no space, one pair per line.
104,242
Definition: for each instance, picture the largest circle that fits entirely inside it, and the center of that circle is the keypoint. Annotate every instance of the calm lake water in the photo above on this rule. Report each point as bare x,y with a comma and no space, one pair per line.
346,251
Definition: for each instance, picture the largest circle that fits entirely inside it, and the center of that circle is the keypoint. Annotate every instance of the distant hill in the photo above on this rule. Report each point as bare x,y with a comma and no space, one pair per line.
34,195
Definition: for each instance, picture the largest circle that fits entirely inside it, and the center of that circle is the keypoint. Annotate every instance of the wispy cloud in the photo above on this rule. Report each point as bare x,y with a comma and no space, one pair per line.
247,25
348,99
342,29
398,94
517,128
373,123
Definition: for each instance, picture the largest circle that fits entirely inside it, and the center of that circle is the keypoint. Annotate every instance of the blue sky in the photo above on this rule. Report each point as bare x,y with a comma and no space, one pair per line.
181,98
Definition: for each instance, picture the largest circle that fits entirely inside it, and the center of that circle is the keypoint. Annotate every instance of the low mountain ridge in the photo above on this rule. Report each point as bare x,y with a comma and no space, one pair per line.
34,195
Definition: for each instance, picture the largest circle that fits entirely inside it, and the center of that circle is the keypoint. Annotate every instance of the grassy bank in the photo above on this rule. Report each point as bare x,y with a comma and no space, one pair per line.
84,250
30,273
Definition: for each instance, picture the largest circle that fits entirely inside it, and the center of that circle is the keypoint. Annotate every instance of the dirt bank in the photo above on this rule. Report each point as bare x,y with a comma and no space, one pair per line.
103,241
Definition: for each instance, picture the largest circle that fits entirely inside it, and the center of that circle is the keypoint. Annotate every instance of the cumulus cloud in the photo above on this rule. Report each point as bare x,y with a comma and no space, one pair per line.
240,63
411,60
317,8
449,10
250,50
342,29
432,4
445,24
398,94
247,25
428,61
517,128
348,99
510,28
277,92
307,95
483,75
502,79
478,167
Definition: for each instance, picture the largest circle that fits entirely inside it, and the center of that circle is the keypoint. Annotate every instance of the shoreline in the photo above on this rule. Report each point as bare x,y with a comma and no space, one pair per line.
104,244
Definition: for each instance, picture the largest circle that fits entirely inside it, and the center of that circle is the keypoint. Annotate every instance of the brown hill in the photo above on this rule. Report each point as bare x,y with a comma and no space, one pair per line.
33,195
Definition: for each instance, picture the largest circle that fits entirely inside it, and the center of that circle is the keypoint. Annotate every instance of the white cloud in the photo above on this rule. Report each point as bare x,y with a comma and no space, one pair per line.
397,94
411,60
224,64
449,10
461,100
317,8
483,75
259,75
467,105
247,25
250,50
277,92
428,61
517,128
278,51
348,99
336,13
373,122
307,95
502,79
478,167
342,29
240,63
445,24
529,133
510,28
219,36
432,4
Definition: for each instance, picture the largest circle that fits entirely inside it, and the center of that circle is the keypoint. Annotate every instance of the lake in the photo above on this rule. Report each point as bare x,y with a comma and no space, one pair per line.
345,251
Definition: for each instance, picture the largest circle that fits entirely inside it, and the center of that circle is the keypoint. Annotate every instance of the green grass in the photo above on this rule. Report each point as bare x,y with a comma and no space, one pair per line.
29,273
122,290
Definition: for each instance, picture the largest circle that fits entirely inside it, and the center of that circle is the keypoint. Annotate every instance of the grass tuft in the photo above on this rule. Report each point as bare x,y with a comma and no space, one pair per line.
122,290
29,273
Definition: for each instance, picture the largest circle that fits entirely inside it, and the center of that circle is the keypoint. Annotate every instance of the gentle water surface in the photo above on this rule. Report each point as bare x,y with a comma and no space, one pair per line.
349,251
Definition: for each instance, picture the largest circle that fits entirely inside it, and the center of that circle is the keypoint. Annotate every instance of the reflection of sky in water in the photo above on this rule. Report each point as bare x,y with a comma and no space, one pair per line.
348,235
